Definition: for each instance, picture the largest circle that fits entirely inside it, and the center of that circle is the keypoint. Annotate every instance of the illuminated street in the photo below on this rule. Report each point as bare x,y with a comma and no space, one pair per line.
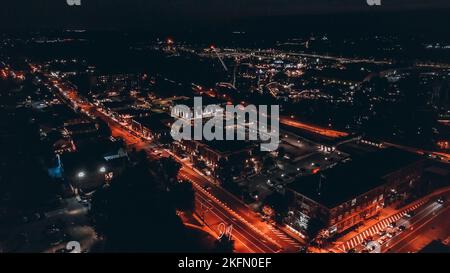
206,131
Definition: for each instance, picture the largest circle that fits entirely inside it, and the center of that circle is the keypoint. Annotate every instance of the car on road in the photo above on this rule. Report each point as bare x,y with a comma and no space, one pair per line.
441,200
370,247
382,232
402,228
392,225
366,241
391,234
382,240
408,214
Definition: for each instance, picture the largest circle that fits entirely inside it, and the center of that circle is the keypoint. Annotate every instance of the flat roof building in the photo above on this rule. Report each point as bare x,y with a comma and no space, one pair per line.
352,192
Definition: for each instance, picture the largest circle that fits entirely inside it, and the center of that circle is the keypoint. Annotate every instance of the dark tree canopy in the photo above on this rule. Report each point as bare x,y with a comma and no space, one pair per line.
135,215
167,168
279,203
224,245
315,225
183,196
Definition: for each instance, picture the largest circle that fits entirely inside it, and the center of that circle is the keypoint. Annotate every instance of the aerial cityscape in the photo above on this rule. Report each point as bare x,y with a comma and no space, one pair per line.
342,145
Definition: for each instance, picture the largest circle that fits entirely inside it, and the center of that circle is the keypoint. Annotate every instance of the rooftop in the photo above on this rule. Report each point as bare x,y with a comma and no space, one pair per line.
80,128
205,101
342,183
75,162
117,104
156,121
227,147
134,112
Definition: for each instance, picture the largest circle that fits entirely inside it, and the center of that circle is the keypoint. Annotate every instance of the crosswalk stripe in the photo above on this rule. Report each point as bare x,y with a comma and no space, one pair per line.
375,227
365,234
373,230
379,227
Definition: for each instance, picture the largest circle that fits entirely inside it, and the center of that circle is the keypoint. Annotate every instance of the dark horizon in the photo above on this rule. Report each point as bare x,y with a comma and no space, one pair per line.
182,16
428,24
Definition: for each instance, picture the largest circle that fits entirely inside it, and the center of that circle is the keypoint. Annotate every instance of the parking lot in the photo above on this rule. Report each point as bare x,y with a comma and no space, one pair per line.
299,157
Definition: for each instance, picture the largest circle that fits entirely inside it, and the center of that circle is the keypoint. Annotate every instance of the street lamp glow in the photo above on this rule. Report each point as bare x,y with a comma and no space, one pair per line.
81,174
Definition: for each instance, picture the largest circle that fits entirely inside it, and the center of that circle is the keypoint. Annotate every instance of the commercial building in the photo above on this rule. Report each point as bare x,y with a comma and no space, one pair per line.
344,196
155,126
237,154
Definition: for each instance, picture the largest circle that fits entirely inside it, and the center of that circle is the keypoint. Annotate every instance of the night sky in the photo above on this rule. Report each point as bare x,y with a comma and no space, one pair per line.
159,13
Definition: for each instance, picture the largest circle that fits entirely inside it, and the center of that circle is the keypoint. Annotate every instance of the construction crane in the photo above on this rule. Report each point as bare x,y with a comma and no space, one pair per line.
213,48
233,83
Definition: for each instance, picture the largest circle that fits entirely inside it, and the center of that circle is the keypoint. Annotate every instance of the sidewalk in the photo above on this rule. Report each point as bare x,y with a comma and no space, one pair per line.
386,213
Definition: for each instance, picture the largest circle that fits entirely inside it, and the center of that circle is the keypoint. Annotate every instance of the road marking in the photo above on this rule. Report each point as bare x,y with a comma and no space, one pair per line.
231,211
357,239
232,219
418,228
238,226
236,236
